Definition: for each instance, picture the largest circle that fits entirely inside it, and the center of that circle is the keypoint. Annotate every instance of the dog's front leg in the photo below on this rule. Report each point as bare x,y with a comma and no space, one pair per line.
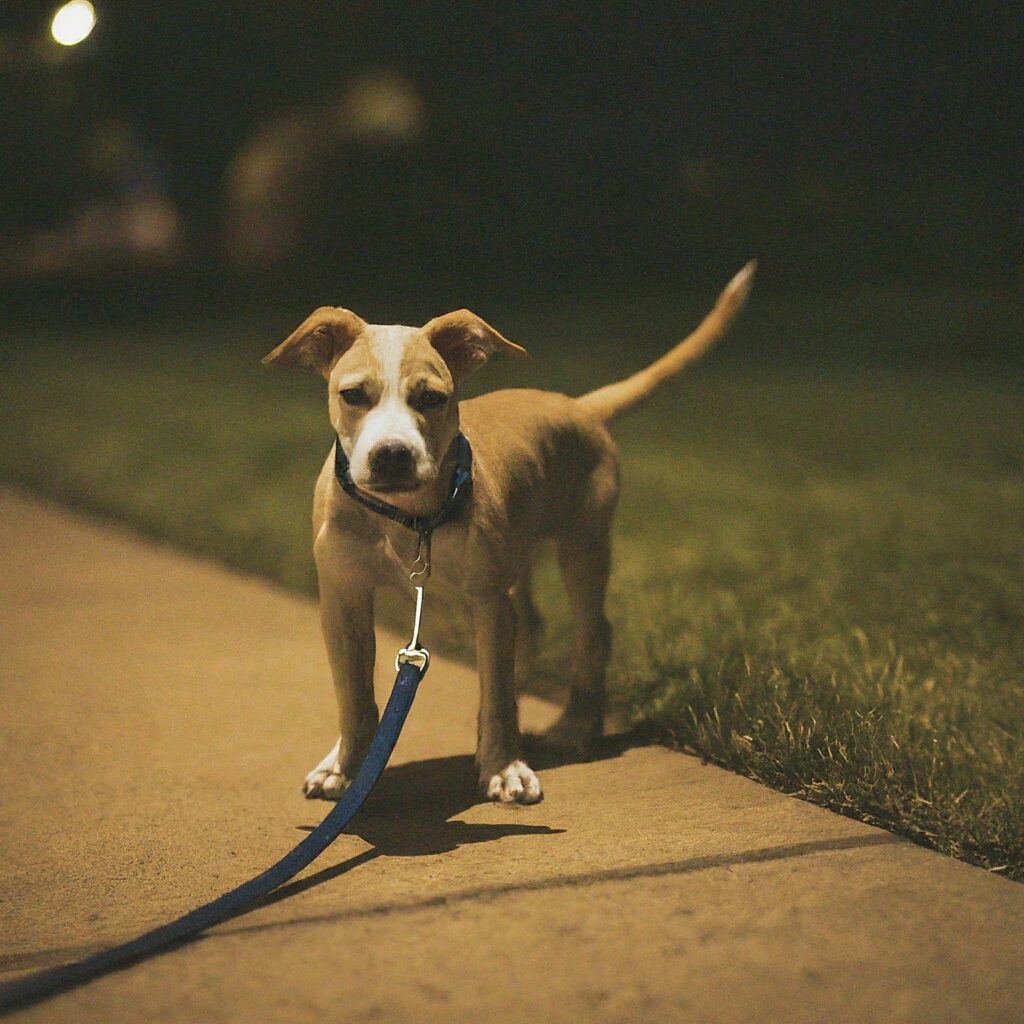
504,776
346,614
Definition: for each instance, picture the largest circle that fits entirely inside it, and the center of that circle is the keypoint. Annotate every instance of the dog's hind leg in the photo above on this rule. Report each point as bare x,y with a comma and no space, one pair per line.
584,557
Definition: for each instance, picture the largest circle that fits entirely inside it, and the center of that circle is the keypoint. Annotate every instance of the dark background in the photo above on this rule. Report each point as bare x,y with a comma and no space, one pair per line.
529,146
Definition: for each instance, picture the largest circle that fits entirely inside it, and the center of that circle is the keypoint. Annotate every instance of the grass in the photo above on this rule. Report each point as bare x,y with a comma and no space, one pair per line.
818,577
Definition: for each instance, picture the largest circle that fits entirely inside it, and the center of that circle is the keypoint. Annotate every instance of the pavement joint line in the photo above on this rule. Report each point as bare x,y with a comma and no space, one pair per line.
583,879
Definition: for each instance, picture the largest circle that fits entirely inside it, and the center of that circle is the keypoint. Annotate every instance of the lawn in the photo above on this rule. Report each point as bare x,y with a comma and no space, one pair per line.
819,552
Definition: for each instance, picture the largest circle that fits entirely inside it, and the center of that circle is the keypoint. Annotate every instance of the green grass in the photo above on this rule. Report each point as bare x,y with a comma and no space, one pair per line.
818,577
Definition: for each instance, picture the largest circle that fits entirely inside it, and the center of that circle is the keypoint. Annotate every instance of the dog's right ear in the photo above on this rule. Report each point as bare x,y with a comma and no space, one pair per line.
319,341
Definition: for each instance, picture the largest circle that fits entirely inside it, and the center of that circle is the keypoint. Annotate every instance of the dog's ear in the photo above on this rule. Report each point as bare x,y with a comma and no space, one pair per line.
319,340
465,341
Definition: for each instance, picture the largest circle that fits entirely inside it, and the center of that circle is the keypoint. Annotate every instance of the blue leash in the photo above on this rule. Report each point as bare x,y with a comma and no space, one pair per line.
411,664
39,986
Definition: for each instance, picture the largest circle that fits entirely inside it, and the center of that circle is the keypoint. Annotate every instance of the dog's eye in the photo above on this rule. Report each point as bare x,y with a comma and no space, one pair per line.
431,399
354,396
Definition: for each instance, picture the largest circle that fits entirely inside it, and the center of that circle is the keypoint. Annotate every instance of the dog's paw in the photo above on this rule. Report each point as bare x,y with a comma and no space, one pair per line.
325,784
514,784
327,781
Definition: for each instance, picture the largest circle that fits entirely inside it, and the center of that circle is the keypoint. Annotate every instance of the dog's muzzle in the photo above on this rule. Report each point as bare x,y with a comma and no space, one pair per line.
392,467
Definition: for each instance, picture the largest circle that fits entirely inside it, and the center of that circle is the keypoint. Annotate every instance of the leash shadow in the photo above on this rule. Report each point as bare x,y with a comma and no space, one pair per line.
409,812
408,815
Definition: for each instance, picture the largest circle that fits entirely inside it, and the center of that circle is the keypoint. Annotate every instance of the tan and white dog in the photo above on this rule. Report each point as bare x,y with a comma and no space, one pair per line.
544,467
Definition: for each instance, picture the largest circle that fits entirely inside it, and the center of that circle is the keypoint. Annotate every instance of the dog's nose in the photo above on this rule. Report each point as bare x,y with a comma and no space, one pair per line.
391,461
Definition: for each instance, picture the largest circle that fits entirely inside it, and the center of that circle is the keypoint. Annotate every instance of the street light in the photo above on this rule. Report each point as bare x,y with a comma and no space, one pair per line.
73,22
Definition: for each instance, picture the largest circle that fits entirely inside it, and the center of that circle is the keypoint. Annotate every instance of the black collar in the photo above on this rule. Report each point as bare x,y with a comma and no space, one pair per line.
423,525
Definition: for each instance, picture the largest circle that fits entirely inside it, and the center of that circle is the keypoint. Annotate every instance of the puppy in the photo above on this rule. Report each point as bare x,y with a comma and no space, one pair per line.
543,467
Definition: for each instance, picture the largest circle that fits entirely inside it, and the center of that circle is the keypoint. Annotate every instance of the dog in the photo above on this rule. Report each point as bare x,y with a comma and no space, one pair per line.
544,466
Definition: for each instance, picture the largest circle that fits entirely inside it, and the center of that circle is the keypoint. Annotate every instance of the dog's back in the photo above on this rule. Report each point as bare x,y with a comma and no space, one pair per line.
541,456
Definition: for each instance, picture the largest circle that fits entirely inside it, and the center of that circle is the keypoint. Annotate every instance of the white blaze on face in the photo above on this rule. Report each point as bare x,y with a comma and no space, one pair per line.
391,419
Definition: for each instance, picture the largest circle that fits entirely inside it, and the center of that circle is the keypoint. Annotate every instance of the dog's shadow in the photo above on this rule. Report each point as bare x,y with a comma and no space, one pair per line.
409,812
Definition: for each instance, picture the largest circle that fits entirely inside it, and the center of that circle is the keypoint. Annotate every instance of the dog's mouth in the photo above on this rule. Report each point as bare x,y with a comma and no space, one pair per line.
394,483
393,487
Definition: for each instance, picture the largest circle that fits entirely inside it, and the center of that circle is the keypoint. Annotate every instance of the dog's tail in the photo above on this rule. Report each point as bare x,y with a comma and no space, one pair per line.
610,401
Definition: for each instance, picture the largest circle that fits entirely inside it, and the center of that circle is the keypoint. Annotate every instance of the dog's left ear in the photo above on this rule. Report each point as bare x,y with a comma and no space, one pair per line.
466,342
319,340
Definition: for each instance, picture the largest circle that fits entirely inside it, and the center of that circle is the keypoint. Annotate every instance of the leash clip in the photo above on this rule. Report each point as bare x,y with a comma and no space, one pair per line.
414,651
421,563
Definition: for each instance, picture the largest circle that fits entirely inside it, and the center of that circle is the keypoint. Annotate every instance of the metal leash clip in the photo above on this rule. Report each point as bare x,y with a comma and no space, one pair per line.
414,651
421,563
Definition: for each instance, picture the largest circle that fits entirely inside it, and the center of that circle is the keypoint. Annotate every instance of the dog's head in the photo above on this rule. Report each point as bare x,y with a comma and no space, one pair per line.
392,390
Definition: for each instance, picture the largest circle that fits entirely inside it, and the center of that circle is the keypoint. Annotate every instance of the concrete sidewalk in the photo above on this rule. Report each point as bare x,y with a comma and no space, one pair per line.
159,715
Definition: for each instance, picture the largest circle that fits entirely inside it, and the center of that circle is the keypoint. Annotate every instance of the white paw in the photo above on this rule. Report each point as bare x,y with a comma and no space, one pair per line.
515,784
325,785
326,781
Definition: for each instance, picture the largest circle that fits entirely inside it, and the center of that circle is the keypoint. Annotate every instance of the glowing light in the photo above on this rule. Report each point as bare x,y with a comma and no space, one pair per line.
73,22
